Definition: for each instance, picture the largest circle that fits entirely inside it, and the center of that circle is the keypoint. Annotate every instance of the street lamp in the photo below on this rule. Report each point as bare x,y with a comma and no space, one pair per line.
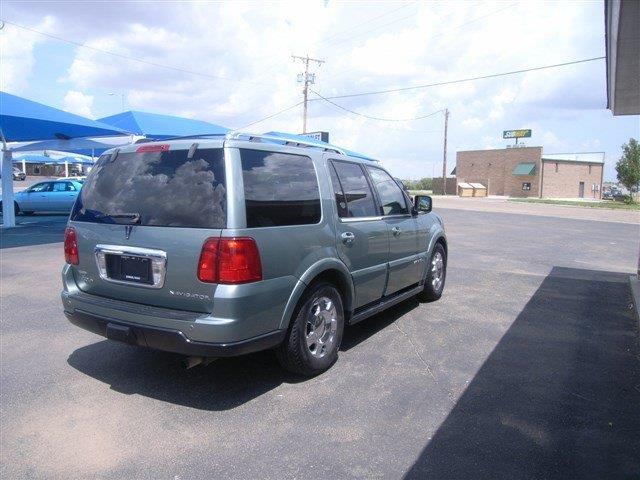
121,97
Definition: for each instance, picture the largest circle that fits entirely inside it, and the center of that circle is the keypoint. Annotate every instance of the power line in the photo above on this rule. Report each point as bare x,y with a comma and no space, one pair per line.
380,92
376,118
272,115
371,30
462,80
351,29
119,55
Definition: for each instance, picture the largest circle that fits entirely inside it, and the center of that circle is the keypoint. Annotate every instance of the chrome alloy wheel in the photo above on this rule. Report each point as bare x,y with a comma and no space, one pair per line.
437,271
322,323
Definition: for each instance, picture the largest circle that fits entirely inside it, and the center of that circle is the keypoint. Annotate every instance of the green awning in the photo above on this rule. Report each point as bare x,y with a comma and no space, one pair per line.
525,169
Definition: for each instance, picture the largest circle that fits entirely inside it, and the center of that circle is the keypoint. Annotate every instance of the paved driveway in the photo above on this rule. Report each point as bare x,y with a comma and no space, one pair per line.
526,368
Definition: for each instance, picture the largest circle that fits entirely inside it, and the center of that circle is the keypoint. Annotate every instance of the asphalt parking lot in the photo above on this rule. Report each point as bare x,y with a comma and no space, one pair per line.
528,367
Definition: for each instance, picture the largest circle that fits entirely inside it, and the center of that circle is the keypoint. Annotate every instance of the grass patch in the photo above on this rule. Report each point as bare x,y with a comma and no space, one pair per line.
608,204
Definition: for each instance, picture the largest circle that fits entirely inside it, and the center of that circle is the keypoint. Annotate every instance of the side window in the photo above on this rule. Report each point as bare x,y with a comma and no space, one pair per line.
279,189
391,195
41,187
360,202
341,202
60,186
70,187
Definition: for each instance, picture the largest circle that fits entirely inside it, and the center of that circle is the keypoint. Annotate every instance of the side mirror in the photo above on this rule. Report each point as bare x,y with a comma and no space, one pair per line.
422,203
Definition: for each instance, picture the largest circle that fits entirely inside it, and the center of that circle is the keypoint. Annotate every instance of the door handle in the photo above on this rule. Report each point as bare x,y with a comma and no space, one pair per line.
348,238
396,231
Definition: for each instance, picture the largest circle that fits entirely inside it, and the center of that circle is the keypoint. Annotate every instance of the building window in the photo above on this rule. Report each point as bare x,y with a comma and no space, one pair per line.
556,167
589,169
526,186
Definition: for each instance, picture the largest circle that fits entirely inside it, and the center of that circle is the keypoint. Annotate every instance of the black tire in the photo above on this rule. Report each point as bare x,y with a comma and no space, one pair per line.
16,208
431,292
293,354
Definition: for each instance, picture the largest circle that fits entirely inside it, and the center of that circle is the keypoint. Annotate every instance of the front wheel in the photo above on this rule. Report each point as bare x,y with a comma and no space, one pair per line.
16,208
315,334
436,275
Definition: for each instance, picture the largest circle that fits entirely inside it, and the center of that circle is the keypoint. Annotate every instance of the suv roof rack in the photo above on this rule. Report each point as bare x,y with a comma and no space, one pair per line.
257,137
261,137
186,137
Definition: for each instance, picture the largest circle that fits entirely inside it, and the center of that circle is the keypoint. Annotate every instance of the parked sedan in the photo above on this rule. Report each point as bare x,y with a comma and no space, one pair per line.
57,196
17,174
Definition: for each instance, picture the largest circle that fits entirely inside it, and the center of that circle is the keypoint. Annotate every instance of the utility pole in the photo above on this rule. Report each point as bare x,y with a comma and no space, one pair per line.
444,159
306,78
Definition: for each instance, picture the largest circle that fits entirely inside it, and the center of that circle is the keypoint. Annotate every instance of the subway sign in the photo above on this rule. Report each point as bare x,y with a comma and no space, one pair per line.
516,133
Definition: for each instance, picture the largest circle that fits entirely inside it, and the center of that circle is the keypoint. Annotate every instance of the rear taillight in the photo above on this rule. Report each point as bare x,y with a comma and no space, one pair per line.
208,264
71,246
230,261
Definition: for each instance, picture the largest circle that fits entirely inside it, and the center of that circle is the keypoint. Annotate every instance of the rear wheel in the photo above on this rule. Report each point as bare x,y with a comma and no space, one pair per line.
315,334
436,275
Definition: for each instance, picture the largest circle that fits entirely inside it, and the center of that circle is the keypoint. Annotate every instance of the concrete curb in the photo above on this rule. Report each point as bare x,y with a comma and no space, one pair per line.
634,284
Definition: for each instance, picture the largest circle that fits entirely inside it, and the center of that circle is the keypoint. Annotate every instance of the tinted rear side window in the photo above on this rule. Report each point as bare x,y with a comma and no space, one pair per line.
279,189
165,188
356,189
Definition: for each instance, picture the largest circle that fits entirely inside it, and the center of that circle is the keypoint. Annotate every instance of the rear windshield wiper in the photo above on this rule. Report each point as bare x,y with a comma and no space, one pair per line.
133,217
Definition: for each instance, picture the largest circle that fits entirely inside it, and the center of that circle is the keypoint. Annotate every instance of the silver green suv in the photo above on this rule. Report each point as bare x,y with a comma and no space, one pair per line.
219,246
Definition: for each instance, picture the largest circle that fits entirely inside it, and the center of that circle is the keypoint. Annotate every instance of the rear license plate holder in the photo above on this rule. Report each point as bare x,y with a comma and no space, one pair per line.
129,268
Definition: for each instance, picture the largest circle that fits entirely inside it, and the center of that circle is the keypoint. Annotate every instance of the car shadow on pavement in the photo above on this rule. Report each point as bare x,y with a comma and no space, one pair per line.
222,385
558,397
361,331
34,230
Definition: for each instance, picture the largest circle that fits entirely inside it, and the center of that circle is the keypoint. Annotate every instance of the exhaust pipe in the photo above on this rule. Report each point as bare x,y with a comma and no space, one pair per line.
190,362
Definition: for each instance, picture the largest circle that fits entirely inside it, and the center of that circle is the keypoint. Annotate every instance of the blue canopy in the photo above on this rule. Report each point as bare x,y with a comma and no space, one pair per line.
153,125
291,137
78,160
39,158
32,158
22,120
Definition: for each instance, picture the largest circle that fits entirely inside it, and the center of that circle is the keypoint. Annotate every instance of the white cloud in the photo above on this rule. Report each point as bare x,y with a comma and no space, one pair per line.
78,103
472,123
16,54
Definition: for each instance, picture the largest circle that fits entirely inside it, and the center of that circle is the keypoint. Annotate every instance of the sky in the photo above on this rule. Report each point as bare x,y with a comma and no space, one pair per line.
230,63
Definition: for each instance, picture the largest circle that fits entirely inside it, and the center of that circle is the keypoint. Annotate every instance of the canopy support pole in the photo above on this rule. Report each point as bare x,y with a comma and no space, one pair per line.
66,169
8,213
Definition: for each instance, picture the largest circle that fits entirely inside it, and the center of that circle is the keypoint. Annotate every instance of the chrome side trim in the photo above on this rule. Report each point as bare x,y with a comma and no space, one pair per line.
359,219
158,263
368,219
384,303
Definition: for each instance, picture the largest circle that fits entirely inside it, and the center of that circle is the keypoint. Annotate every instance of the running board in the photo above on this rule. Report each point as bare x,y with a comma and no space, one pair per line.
384,304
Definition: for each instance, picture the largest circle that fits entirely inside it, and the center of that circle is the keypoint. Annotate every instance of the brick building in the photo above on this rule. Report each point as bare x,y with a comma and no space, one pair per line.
527,172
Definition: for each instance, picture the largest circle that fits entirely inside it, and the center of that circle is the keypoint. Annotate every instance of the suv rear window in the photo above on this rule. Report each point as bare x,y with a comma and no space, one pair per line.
279,189
164,188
